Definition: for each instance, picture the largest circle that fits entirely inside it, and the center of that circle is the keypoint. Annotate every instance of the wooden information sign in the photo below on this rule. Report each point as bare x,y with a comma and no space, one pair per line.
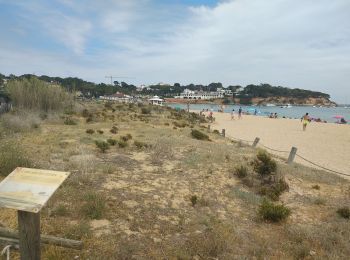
28,190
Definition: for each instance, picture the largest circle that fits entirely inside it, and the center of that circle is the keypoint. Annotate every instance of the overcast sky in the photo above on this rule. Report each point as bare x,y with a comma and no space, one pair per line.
293,43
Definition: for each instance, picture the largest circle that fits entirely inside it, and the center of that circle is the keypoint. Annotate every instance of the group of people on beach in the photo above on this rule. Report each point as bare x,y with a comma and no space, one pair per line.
240,111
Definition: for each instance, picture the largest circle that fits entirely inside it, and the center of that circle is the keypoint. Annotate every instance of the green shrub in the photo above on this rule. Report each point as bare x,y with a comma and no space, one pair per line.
180,124
140,144
90,131
264,164
241,171
274,190
316,187
85,113
344,212
108,105
102,145
114,130
122,144
199,135
272,212
145,111
11,157
194,200
100,132
216,132
126,138
89,119
94,206
69,121
112,141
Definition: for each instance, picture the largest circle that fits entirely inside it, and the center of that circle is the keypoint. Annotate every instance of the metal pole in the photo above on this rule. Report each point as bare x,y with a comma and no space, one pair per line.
292,154
29,235
256,141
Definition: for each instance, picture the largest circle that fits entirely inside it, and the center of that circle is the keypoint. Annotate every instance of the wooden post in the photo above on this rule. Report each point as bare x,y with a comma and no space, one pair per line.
223,132
292,154
256,141
208,128
29,235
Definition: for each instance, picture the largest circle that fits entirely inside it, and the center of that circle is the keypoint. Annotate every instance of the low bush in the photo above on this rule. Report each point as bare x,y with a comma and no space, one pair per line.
100,132
90,131
112,141
114,130
70,121
194,200
316,187
122,144
102,145
61,210
145,111
241,171
180,124
94,206
11,157
274,190
273,212
85,113
126,138
18,123
344,212
140,144
199,135
264,164
216,132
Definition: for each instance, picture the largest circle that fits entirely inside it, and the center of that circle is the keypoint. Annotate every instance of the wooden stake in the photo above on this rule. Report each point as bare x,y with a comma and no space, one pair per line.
223,132
29,235
256,141
292,154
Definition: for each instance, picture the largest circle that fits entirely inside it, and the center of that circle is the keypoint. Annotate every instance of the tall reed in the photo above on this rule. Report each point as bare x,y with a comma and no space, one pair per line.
34,94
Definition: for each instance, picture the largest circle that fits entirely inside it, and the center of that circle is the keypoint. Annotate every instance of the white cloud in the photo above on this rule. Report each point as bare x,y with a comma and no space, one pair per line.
293,43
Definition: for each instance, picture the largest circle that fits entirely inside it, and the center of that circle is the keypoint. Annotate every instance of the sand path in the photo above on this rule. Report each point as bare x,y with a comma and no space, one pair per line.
325,144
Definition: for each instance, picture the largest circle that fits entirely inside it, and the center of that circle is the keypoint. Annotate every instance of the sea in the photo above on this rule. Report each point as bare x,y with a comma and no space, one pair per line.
329,114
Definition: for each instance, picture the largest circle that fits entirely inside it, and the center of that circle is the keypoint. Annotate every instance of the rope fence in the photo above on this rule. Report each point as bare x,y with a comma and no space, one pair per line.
291,155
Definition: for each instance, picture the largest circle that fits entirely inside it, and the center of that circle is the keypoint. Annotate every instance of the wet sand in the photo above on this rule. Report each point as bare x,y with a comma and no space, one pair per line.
325,144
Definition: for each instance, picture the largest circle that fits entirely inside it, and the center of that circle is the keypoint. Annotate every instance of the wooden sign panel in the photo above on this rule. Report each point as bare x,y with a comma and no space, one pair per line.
29,189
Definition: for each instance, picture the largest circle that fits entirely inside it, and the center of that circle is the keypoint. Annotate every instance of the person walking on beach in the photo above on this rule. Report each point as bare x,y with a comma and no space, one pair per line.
305,120
240,113
233,114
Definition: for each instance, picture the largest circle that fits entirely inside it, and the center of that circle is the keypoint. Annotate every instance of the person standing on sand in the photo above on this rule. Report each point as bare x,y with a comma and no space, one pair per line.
240,113
233,114
305,120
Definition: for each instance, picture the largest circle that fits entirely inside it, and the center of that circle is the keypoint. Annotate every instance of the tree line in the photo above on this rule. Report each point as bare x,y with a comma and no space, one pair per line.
91,89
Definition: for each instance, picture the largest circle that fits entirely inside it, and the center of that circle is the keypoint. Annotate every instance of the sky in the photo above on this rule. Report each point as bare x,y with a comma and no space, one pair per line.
292,43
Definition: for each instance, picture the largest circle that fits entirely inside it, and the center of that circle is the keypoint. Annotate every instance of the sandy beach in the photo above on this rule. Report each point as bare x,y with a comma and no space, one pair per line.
325,144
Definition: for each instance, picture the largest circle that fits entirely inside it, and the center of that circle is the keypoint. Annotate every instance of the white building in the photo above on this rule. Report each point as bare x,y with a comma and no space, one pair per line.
190,94
119,97
156,101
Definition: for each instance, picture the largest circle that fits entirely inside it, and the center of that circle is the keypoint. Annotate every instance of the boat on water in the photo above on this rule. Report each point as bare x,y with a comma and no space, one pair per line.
270,105
287,106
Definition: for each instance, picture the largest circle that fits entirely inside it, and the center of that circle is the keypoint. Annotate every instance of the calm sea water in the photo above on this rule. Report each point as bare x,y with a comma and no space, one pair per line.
324,113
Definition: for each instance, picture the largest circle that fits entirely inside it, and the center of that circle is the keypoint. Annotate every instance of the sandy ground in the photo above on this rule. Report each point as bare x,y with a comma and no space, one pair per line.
324,144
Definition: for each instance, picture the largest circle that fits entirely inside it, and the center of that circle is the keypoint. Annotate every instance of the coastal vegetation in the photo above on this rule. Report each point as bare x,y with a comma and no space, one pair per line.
166,194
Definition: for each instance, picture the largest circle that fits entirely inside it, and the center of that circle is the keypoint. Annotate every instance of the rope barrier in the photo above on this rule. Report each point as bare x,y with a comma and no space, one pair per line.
299,156
322,167
275,150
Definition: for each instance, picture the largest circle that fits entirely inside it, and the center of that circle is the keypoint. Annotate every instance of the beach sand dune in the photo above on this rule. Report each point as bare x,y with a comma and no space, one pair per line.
325,144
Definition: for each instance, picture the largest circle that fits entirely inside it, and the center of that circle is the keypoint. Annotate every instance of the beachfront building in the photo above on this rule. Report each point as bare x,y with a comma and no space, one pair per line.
156,101
118,97
205,95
